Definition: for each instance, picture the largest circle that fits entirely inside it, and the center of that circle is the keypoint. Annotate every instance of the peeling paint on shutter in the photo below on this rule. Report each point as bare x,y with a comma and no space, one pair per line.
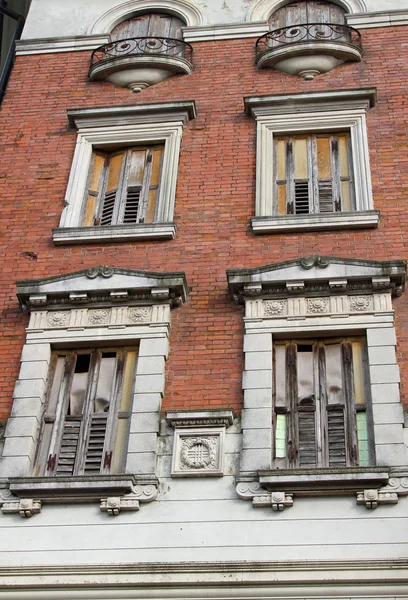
96,441
68,447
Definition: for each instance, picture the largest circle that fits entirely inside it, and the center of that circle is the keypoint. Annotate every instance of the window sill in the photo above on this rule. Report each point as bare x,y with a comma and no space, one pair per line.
287,223
113,233
320,481
73,488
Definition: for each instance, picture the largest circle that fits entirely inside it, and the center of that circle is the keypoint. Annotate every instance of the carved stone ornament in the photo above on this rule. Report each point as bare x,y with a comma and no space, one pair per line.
101,270
278,501
26,507
198,453
360,303
140,493
315,261
138,314
372,498
98,316
274,307
317,305
58,318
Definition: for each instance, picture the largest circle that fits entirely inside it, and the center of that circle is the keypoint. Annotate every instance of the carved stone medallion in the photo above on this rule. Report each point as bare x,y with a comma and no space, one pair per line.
198,453
360,303
317,305
98,316
138,314
274,307
58,318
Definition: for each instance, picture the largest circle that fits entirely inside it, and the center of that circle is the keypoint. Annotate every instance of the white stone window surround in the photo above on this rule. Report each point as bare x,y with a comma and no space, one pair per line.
315,112
115,127
64,312
269,314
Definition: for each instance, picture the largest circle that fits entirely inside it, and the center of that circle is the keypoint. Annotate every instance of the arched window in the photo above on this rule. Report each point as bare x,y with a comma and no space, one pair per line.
149,25
307,11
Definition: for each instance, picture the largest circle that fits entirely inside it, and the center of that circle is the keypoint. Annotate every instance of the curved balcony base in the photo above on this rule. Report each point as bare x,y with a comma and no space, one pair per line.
139,72
308,60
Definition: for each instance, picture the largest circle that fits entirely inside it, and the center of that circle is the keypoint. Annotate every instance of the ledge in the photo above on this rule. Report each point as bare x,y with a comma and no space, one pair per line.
114,233
200,418
319,481
328,221
74,489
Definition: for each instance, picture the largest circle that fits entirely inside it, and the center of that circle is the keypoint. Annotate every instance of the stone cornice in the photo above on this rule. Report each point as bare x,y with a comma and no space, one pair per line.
200,418
318,275
105,116
102,284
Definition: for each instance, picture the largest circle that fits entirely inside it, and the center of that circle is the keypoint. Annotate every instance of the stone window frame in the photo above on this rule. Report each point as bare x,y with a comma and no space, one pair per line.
122,127
315,112
100,306
275,299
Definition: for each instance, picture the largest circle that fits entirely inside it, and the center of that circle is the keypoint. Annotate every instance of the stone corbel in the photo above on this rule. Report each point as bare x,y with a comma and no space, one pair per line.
278,501
140,494
26,507
372,498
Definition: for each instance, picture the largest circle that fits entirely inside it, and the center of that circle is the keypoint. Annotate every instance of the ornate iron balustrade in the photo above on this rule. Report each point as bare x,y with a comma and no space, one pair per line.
142,46
308,33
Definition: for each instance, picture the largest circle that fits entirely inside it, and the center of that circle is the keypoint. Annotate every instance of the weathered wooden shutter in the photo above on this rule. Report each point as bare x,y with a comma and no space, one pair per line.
298,175
111,193
306,406
149,25
291,399
94,187
310,11
142,181
68,446
94,453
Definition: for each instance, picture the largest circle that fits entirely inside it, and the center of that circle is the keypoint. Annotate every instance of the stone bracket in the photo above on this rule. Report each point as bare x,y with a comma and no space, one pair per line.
372,498
26,507
140,493
278,500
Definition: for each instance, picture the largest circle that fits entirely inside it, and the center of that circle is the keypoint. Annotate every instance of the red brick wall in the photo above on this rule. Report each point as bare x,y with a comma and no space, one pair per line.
214,202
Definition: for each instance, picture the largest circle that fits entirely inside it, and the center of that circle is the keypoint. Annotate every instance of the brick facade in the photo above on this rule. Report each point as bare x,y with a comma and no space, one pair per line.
214,200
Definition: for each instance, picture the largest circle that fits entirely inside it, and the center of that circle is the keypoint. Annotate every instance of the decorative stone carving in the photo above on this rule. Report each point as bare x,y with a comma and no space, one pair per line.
98,316
198,453
101,270
200,418
138,314
372,498
317,305
278,501
275,307
360,303
314,260
398,485
58,318
113,506
140,493
26,507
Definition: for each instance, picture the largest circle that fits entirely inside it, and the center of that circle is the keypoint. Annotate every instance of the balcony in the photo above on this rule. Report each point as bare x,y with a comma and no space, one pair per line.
308,49
137,63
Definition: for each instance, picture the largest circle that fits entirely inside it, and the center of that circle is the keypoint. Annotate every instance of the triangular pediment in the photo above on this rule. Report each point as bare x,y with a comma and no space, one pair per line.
103,284
300,274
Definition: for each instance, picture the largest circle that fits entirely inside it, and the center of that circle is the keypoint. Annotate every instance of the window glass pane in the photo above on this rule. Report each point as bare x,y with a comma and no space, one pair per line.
78,386
105,382
334,379
280,436
280,376
305,373
362,439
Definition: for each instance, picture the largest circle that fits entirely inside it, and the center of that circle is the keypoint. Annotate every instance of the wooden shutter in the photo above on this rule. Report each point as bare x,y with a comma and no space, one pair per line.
306,406
143,174
95,184
110,200
90,423
149,25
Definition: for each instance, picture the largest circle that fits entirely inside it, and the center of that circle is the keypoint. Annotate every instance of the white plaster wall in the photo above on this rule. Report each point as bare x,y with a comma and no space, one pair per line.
202,519
63,18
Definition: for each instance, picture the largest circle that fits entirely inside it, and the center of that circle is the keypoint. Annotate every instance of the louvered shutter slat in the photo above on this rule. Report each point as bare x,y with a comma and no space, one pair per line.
94,452
108,207
336,437
326,204
132,205
307,439
68,448
301,197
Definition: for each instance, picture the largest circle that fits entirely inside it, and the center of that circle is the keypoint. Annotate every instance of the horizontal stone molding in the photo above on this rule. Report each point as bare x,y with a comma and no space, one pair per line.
113,233
328,221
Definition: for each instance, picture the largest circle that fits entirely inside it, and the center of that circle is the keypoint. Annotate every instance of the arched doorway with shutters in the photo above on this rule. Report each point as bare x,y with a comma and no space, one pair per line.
308,38
145,49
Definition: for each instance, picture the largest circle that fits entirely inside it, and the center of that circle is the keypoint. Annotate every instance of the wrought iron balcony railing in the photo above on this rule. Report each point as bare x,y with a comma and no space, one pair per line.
308,33
143,46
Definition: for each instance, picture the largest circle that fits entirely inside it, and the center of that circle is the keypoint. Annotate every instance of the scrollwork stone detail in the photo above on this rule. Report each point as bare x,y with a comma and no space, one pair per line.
98,316
274,307
101,270
360,303
58,318
314,261
138,314
198,453
317,305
